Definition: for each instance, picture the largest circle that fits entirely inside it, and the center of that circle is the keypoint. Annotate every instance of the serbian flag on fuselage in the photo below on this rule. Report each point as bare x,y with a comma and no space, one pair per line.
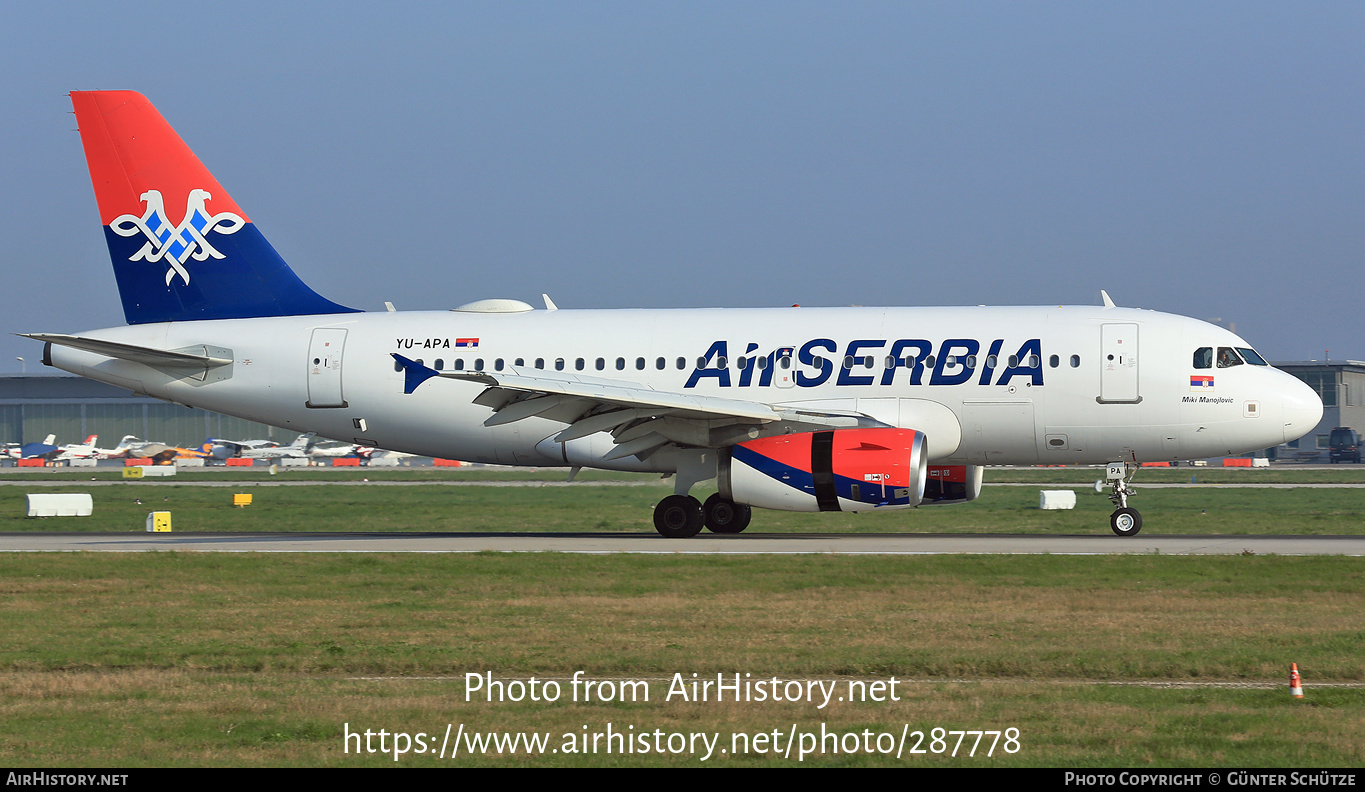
1200,382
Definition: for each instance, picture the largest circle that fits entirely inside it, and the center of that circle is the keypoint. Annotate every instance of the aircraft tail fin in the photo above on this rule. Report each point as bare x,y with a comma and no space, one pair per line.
181,247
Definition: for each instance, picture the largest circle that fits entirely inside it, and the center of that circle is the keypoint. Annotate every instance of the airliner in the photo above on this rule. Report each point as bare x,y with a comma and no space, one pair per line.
791,408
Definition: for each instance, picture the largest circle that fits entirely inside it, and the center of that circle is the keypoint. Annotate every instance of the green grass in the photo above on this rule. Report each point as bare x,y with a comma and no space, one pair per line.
628,509
157,659
165,659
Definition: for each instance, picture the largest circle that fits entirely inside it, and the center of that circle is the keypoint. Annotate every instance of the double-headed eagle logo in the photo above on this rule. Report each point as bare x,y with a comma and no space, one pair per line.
176,244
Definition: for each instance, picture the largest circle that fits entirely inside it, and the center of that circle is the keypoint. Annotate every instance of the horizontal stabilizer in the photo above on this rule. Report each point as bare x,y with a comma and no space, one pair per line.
136,354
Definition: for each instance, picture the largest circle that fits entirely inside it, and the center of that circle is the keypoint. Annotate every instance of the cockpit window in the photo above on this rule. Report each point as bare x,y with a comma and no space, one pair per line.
1203,357
1251,357
1227,358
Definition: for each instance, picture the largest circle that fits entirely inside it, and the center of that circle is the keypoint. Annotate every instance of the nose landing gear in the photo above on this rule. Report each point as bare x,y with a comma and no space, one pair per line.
1125,521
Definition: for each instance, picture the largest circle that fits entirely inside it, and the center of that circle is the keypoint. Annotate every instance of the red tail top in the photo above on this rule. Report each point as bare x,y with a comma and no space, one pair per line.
131,149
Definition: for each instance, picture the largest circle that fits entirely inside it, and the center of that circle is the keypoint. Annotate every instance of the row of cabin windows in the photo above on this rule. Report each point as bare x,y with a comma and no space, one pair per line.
783,362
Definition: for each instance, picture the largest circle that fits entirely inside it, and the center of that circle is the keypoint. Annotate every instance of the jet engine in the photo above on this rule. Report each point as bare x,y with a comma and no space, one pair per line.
837,470
948,484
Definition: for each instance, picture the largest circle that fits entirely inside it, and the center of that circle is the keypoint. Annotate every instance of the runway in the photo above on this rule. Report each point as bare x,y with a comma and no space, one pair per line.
705,544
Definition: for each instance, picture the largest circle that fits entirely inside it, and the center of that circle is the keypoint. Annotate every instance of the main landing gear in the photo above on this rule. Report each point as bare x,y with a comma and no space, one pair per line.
681,516
1125,521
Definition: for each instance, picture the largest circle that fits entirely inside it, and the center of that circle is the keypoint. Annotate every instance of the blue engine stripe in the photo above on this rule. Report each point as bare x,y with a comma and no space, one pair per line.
868,492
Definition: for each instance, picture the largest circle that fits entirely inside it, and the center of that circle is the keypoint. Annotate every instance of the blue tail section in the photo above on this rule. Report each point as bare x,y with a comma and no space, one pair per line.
250,280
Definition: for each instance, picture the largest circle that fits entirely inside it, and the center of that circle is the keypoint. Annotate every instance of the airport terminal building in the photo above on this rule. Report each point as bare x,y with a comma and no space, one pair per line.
1341,384
33,406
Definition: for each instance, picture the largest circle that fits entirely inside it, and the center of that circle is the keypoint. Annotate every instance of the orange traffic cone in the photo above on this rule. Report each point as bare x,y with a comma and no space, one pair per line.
1295,684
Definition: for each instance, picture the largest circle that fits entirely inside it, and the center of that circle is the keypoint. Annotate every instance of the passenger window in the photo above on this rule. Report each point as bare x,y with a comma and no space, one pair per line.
540,363
397,366
971,361
1033,361
1014,361
620,364
478,364
741,362
459,364
762,363
848,361
440,365
520,362
1075,361
578,364
1227,358
559,364
1203,357
785,361
682,363
1054,361
497,364
660,364
640,364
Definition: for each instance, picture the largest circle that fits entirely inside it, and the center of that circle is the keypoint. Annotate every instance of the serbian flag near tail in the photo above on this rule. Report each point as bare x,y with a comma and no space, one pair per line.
181,247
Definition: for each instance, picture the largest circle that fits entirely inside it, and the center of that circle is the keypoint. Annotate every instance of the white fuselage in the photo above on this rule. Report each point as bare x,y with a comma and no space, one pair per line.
1110,383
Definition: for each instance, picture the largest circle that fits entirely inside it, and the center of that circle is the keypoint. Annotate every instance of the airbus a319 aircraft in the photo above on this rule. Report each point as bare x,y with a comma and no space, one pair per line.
801,409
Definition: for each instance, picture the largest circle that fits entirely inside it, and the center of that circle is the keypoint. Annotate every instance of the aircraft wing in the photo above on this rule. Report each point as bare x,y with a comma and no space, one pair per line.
641,419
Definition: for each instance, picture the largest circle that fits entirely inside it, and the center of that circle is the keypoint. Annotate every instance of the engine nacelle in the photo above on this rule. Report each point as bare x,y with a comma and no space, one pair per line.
838,470
948,484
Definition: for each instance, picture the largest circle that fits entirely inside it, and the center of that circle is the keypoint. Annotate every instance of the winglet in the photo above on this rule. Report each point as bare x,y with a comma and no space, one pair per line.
414,373
1104,295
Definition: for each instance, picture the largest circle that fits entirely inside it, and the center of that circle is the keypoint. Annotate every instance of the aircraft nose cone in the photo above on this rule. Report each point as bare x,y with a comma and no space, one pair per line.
1302,409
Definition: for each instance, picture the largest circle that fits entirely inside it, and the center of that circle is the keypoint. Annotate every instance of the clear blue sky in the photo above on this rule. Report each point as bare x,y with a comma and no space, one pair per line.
1206,159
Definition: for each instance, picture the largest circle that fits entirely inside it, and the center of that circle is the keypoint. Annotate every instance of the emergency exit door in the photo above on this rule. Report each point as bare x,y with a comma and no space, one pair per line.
324,367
